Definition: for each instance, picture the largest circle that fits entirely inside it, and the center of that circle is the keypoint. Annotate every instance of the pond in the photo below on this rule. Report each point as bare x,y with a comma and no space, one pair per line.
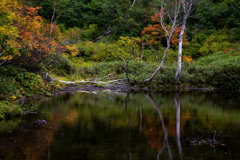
137,125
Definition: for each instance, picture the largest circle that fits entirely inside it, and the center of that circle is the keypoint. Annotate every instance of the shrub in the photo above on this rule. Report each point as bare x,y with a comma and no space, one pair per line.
17,82
60,65
8,110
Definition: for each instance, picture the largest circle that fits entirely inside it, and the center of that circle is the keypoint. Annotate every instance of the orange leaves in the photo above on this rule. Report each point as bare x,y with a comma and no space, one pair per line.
157,17
56,33
23,31
156,32
33,11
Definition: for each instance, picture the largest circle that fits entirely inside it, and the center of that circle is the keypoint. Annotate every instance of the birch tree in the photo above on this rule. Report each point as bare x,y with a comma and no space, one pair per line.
187,9
170,10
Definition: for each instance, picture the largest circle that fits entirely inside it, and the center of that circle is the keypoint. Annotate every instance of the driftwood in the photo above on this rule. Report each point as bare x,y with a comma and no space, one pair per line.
116,81
99,81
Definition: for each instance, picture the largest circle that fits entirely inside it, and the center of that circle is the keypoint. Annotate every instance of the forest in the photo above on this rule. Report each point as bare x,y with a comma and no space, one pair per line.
183,43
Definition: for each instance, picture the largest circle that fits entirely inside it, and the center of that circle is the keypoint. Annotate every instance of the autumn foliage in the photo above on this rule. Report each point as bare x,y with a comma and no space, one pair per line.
22,37
156,32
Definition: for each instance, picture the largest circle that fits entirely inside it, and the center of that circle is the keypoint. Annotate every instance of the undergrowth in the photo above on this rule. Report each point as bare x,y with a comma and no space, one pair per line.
218,71
18,83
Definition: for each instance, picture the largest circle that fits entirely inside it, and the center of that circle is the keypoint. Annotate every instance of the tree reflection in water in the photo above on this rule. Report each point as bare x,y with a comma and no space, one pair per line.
165,141
129,154
178,126
178,117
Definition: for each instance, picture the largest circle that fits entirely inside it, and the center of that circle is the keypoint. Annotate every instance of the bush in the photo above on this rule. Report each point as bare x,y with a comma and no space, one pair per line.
60,65
220,70
17,82
8,110
99,52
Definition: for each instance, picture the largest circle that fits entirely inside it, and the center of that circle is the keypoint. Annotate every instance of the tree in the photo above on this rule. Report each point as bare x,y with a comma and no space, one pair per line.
8,32
187,10
169,9
21,37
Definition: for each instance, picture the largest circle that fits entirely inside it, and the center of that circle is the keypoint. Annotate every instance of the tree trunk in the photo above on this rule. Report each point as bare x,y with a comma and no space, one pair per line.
131,53
161,64
142,48
180,50
52,24
173,20
187,9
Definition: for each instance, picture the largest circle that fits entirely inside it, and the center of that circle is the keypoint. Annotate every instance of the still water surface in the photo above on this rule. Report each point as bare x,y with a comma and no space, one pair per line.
144,126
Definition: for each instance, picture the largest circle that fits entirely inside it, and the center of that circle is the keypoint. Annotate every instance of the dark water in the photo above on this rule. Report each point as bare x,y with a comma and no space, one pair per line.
145,126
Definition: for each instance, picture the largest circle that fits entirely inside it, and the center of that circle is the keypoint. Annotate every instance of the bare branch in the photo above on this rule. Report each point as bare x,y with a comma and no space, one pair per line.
103,35
52,23
132,4
4,62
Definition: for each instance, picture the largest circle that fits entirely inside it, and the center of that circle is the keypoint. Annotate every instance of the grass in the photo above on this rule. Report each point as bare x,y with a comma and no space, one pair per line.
215,71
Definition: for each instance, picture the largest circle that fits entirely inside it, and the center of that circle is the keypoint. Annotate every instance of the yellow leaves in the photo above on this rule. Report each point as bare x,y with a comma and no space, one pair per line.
72,49
126,41
9,57
8,30
188,59
21,31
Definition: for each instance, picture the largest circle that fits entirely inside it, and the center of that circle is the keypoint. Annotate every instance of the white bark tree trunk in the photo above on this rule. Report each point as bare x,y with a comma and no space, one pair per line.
187,9
180,51
161,64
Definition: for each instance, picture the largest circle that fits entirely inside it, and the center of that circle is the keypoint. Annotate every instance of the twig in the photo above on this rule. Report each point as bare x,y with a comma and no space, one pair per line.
105,34
4,61
129,58
105,76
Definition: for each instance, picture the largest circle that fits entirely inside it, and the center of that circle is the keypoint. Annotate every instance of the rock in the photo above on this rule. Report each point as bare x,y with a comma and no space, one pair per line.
40,122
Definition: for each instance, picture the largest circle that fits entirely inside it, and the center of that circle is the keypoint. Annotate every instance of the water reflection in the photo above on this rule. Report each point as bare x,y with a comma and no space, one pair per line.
127,126
165,141
129,154
178,119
